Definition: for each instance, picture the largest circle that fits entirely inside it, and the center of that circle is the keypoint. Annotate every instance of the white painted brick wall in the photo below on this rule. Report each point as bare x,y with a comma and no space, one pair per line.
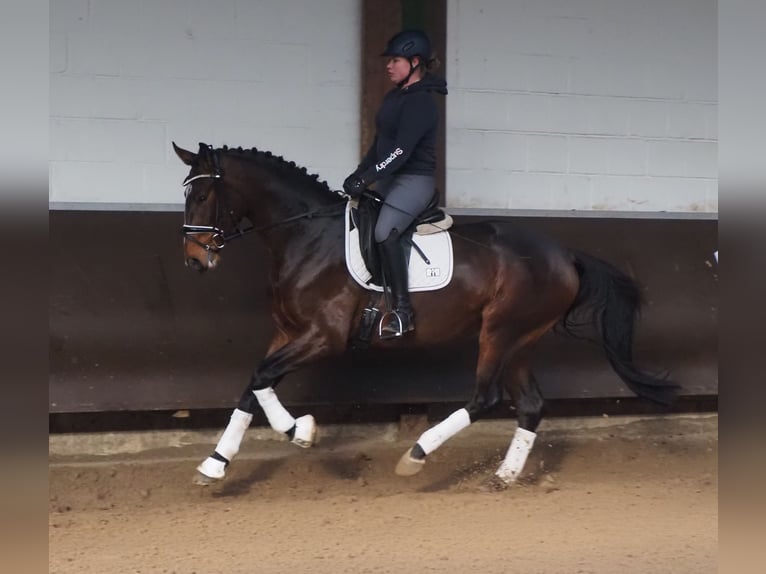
127,78
582,104
554,104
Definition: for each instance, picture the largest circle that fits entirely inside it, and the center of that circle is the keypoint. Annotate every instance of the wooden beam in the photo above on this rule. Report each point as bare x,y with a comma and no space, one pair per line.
436,28
380,21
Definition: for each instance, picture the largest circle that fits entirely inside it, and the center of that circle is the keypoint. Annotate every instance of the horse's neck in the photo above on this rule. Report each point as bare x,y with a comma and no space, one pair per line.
272,197
287,214
304,248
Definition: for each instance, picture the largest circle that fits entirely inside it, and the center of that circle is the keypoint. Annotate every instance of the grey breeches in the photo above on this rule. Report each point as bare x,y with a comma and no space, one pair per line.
406,196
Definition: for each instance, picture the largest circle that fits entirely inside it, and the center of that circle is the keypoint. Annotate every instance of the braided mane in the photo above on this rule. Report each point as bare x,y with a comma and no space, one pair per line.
289,168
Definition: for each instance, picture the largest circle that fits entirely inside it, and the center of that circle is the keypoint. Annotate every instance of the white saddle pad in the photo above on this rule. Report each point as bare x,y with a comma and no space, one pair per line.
423,276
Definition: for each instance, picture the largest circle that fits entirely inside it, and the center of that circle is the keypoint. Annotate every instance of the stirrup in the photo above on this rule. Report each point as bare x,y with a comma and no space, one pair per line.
386,332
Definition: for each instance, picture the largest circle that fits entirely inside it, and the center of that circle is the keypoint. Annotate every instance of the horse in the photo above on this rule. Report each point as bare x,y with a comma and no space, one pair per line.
510,286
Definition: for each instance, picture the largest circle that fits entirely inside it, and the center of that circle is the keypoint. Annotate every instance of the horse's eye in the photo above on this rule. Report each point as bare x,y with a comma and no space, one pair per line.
201,198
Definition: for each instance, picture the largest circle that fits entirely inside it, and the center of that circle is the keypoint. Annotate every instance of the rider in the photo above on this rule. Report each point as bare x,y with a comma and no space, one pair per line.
402,161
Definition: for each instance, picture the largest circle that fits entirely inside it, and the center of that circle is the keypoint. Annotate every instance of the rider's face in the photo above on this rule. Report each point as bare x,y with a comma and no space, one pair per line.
398,68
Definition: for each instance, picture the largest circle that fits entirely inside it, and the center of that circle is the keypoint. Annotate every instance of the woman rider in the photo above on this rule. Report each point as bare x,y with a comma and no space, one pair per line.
402,161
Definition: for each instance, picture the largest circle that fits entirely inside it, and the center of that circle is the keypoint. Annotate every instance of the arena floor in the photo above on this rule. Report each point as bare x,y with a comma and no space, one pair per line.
599,495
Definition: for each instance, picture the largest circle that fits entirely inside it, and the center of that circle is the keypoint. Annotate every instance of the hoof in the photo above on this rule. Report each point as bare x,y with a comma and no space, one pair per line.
305,431
494,484
507,475
409,466
204,480
210,471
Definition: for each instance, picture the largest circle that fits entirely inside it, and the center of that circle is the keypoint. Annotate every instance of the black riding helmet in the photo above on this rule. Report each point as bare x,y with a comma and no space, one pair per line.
407,44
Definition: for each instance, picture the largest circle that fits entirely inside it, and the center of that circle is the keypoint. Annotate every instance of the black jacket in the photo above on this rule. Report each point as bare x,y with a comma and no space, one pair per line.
405,138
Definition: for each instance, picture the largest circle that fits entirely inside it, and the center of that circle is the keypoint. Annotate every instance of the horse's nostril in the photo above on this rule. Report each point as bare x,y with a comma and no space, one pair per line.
194,264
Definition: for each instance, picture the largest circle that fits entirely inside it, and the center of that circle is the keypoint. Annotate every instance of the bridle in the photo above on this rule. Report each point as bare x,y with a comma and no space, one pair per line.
219,237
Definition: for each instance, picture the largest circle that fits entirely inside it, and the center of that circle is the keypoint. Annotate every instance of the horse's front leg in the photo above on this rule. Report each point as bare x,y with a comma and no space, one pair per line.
260,393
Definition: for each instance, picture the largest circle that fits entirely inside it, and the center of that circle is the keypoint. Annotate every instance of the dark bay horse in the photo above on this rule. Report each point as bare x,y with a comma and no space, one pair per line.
509,287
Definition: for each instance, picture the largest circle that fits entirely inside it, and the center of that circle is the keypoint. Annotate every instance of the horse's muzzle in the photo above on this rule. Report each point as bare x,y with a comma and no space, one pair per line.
195,264
200,253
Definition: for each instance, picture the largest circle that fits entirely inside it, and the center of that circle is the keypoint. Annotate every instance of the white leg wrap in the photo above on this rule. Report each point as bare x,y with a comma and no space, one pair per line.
434,437
516,456
279,419
228,444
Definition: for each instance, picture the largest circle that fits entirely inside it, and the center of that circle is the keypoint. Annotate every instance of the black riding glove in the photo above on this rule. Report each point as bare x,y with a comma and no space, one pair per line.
354,185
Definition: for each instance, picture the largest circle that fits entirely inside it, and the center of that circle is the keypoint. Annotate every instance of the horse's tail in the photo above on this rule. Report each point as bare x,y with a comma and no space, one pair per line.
610,300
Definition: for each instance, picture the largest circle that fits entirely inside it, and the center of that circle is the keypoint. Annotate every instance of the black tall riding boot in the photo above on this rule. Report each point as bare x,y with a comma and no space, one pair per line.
395,267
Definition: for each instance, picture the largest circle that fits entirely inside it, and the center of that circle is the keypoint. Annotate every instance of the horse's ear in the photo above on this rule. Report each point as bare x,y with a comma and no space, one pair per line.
186,156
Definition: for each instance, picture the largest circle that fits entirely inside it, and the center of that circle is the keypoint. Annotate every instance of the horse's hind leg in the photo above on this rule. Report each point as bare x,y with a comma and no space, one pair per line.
489,392
525,394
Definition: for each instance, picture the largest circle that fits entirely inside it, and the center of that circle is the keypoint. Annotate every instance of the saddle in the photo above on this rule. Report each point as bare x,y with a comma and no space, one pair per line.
432,220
